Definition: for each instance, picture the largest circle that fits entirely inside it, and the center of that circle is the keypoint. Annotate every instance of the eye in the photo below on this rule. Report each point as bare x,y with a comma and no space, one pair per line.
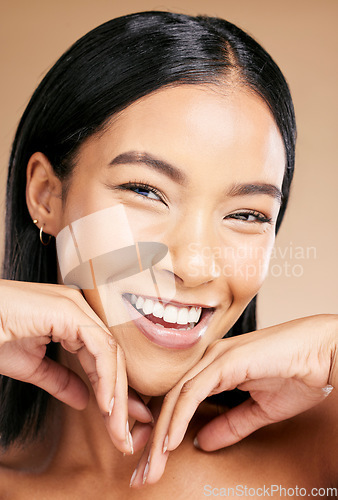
250,216
143,190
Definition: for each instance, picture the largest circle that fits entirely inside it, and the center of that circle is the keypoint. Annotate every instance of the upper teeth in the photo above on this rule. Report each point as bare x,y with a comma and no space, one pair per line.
170,313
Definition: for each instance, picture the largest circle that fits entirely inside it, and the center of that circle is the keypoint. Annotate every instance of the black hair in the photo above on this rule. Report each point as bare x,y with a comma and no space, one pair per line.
101,74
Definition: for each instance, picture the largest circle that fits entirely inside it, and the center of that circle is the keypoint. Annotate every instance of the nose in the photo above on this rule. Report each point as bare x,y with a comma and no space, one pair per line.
193,250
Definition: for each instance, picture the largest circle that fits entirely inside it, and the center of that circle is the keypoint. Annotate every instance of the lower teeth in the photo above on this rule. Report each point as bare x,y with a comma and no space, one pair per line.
186,328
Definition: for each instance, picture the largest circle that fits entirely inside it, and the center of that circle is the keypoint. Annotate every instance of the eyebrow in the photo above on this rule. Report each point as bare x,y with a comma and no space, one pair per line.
236,189
162,166
256,188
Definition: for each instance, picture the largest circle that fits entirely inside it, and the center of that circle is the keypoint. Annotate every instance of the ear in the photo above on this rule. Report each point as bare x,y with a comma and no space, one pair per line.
44,194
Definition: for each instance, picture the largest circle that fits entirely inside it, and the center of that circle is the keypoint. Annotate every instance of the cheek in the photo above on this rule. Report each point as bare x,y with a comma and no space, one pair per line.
244,267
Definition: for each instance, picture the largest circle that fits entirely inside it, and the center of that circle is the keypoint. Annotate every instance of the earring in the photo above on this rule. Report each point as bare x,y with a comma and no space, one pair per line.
45,243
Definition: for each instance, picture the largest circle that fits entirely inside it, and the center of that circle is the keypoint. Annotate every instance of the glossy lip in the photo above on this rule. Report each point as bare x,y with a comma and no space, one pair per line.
165,337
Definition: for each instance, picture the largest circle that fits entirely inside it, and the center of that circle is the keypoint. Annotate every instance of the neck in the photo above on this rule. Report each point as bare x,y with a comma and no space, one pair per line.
84,436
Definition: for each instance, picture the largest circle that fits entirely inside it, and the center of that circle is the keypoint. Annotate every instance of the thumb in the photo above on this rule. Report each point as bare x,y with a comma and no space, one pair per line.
60,382
232,426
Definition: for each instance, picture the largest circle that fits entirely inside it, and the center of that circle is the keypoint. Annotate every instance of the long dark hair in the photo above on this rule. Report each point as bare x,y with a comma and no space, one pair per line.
102,73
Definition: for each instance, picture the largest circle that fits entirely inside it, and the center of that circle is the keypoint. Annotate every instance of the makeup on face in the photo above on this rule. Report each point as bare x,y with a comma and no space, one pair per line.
176,224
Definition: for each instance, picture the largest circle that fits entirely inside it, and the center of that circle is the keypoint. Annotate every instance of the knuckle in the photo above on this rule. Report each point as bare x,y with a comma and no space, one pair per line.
62,383
216,346
168,397
71,293
232,427
187,386
93,377
67,304
72,346
3,327
112,346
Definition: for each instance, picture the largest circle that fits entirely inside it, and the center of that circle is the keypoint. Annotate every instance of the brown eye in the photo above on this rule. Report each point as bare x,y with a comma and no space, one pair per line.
250,216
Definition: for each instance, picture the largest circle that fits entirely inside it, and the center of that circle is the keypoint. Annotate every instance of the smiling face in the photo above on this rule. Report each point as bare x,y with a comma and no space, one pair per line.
199,171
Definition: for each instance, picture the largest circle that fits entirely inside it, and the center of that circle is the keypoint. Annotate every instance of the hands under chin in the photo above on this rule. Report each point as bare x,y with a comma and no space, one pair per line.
287,368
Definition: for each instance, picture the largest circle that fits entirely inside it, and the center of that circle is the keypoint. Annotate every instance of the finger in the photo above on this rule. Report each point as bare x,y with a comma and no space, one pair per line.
98,359
60,382
118,424
193,392
160,440
164,427
137,409
232,426
80,329
140,475
141,434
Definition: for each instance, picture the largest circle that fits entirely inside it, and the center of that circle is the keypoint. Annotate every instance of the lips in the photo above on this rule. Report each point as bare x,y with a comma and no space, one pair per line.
158,331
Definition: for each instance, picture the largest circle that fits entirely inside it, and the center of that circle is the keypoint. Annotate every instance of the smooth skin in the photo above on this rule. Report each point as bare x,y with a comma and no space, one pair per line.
215,137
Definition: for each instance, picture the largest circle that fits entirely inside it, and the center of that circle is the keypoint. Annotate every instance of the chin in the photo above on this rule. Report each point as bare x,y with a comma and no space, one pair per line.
152,387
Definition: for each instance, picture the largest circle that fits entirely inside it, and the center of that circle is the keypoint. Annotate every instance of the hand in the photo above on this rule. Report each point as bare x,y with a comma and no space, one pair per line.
33,314
287,369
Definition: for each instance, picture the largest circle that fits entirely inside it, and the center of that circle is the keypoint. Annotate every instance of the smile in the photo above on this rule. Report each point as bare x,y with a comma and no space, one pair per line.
174,326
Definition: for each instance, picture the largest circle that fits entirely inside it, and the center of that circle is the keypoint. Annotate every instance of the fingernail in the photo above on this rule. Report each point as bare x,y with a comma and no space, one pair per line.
132,478
327,389
131,444
111,405
129,439
127,433
151,415
146,469
165,444
196,443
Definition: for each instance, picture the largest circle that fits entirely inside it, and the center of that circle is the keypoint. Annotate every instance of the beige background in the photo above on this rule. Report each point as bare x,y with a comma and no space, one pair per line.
301,36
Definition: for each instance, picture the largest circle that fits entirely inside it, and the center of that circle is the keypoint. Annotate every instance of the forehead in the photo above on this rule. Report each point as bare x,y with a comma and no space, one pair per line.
192,126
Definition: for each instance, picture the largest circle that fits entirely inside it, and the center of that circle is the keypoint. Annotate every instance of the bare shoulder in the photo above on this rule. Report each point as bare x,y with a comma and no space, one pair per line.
325,415
299,451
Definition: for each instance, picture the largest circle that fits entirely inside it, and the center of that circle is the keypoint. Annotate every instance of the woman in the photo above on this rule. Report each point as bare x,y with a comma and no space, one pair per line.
159,152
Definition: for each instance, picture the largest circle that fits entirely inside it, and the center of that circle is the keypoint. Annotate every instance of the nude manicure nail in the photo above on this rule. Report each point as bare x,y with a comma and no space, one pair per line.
151,415
145,473
111,405
165,444
129,439
131,444
132,478
196,444
127,433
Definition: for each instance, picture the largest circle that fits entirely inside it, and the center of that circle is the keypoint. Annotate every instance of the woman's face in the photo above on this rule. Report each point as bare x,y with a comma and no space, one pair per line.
214,163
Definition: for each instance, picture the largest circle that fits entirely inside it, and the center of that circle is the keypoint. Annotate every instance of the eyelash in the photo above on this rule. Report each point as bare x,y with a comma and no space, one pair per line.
143,185
129,186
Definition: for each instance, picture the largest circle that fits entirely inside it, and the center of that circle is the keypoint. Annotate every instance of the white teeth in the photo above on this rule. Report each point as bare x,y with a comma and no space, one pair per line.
139,302
148,306
170,314
192,315
158,310
198,313
182,318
